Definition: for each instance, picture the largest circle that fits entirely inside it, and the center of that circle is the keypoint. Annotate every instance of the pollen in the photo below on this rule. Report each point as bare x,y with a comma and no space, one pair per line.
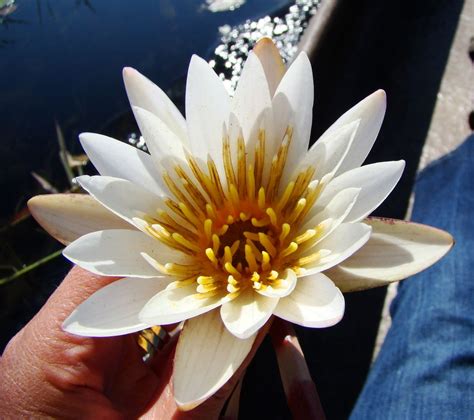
238,227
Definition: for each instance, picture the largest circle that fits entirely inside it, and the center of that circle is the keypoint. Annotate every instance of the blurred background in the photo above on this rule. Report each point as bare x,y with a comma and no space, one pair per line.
60,75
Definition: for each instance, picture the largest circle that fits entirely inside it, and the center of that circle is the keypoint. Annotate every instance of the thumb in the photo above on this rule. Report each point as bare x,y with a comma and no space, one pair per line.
42,361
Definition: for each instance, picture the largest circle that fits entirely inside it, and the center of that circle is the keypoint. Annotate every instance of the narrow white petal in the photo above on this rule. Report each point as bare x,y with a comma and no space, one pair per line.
337,145
206,357
118,253
162,142
145,94
175,305
316,302
252,96
67,217
119,160
271,61
336,210
370,111
342,243
288,283
113,310
122,197
233,130
283,120
376,182
207,109
247,313
298,90
263,123
396,250
327,154
316,158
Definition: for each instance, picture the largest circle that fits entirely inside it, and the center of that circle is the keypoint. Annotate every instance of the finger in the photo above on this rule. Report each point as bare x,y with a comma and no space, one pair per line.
42,362
44,329
163,405
43,337
300,390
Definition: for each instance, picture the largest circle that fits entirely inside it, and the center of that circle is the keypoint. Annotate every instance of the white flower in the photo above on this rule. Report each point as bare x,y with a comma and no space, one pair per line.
231,219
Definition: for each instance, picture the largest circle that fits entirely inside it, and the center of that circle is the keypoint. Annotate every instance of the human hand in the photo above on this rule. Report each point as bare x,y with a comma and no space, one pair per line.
46,372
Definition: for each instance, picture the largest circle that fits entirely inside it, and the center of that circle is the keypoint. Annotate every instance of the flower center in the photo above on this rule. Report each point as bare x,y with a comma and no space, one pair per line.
239,233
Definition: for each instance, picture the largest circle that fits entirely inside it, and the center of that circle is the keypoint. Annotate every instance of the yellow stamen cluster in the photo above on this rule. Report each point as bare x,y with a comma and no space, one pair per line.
240,231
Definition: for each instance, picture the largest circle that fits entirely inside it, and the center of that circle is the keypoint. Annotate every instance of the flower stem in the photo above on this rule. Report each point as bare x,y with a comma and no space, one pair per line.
30,267
300,390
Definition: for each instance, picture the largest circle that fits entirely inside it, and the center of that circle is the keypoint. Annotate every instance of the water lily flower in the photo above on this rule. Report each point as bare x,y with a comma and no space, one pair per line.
231,219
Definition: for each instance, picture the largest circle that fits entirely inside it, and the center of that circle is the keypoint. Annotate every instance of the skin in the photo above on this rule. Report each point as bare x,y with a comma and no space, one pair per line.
46,372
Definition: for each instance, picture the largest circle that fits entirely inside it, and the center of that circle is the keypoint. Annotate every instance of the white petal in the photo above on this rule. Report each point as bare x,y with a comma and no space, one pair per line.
247,313
119,160
396,250
327,154
160,140
207,109
342,243
263,123
271,61
336,210
316,302
376,182
67,217
145,94
288,278
298,90
122,197
113,310
175,305
118,253
370,111
206,357
252,96
336,146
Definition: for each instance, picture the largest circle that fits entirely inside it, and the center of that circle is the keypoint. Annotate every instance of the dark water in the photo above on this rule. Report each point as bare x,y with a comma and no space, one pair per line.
62,60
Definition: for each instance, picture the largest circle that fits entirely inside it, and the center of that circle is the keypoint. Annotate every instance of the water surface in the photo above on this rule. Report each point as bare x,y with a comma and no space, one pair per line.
62,60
